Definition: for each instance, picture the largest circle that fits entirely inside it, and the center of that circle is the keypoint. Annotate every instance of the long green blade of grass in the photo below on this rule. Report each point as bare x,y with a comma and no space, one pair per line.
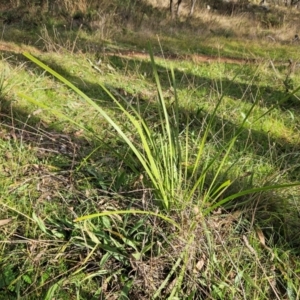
149,162
122,212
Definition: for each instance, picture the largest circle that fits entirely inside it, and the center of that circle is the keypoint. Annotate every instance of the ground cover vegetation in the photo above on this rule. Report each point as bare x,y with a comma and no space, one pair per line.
147,157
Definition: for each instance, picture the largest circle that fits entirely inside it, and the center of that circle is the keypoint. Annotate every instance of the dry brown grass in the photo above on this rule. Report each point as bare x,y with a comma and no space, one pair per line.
67,6
228,20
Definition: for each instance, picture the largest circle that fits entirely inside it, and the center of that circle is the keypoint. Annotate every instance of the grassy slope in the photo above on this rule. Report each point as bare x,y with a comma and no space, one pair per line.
51,174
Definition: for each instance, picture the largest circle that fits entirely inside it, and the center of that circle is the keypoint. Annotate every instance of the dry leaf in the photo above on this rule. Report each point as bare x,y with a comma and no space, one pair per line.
37,112
261,236
199,265
8,155
218,211
5,221
196,210
262,240
79,132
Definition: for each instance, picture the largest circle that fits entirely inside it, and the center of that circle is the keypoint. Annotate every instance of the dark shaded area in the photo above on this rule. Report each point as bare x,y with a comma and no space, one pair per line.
235,90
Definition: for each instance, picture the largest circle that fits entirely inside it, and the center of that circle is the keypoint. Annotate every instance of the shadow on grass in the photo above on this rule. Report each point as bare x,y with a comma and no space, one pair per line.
281,154
276,214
